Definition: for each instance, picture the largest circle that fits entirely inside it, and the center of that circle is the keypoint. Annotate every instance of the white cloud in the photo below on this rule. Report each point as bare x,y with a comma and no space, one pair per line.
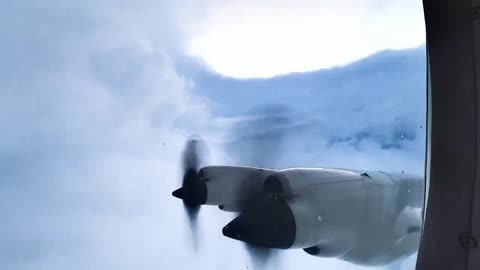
94,117
247,39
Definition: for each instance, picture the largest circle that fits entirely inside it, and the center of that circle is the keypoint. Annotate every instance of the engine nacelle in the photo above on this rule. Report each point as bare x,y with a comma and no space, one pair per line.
285,220
277,223
225,184
341,241
329,239
333,250
291,181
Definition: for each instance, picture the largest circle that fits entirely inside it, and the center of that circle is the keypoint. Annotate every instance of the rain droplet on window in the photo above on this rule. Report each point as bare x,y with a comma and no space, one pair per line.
402,136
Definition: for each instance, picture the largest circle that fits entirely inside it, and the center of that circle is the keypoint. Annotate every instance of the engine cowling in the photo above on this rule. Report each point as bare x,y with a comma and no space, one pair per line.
340,243
312,230
285,220
278,223
271,224
226,184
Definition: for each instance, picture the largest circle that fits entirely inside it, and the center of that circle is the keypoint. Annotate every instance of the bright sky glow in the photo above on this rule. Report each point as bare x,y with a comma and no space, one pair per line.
248,38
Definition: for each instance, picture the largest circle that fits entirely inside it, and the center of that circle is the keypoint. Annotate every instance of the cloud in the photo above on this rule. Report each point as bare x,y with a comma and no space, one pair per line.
355,116
94,114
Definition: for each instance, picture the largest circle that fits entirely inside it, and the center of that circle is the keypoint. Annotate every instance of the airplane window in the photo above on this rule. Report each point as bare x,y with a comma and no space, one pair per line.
291,134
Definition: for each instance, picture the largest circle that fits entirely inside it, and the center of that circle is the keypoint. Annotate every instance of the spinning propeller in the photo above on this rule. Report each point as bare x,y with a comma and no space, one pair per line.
257,141
193,191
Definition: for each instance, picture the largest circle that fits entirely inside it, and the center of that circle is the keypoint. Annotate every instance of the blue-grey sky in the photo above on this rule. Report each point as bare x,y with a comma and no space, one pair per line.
98,98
